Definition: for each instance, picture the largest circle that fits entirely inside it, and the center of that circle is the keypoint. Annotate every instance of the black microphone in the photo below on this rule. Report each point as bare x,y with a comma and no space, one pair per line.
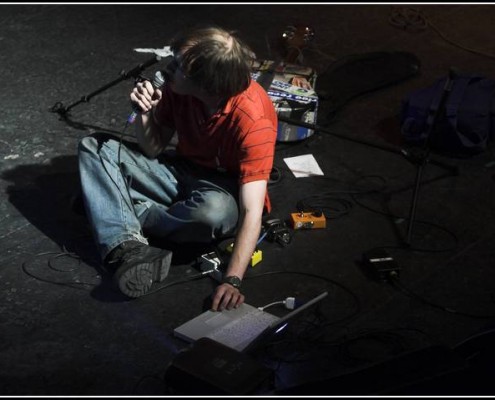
158,81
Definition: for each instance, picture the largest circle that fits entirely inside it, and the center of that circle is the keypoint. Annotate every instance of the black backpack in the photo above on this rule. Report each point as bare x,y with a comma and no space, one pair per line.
464,126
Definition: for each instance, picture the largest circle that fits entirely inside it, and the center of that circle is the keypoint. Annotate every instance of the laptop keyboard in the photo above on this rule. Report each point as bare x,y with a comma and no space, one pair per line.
243,330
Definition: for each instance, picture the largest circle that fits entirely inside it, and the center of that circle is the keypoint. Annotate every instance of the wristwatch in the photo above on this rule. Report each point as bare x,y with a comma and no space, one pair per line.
232,280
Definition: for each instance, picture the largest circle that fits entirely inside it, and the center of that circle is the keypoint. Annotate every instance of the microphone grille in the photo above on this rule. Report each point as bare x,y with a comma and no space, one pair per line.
158,79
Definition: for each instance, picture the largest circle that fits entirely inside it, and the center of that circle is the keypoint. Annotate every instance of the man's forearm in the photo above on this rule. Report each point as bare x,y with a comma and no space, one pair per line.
151,138
245,244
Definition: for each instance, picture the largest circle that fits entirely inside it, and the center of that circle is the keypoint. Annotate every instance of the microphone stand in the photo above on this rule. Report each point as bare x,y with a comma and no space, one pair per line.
134,73
422,157
419,157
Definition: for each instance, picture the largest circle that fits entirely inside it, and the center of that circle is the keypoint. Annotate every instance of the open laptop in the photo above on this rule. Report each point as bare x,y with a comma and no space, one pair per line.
242,329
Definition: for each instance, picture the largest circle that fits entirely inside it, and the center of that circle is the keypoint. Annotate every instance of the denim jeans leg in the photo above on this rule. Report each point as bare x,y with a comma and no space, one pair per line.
113,205
207,212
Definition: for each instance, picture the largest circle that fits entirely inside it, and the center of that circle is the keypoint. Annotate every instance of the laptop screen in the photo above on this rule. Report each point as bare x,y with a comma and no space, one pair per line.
279,324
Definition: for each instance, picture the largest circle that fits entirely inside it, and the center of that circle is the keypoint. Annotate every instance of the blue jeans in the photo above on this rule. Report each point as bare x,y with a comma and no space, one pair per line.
164,198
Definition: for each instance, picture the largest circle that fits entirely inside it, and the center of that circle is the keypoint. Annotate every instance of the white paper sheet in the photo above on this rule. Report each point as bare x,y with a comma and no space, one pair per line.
303,166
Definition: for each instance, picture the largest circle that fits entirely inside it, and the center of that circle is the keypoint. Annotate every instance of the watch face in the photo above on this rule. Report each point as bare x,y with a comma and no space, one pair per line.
233,280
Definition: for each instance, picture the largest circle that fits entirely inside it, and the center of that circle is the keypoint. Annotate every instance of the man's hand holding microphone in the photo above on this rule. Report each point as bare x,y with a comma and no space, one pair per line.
146,95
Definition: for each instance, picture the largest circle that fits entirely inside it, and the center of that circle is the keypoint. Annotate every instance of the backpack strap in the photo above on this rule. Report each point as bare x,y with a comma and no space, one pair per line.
474,141
454,101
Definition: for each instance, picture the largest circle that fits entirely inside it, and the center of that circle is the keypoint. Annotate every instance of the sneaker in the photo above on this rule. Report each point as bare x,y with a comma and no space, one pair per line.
138,267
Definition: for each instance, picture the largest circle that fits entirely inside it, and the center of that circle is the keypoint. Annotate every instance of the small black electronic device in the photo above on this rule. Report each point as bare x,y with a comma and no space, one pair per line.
381,264
212,264
277,231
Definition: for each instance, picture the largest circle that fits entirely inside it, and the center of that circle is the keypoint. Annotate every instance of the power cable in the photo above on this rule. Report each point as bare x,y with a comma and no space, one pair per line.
396,283
72,284
412,19
412,248
357,303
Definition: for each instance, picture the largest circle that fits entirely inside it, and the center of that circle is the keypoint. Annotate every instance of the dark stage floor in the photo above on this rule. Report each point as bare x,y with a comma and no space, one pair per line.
66,331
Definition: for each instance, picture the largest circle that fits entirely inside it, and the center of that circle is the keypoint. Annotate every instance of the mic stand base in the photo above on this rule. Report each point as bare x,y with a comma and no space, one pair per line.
420,157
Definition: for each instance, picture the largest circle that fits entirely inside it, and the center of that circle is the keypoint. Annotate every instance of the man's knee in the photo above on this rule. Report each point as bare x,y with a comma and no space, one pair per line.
94,142
88,144
218,210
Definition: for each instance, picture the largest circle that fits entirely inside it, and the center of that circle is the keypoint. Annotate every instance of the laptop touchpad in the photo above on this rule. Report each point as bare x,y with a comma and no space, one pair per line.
217,319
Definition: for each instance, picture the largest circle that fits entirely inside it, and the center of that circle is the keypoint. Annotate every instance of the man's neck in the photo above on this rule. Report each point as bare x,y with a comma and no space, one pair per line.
212,104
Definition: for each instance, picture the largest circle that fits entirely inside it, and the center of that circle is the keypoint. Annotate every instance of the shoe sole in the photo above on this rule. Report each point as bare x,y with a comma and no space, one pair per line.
136,280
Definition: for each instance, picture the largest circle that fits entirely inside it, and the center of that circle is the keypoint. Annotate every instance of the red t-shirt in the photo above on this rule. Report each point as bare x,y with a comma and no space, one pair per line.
240,139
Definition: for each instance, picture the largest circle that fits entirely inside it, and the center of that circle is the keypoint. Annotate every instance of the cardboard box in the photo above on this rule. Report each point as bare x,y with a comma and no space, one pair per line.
292,91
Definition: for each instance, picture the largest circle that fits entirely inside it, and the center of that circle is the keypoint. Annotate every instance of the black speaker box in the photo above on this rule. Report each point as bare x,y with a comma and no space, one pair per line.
211,368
